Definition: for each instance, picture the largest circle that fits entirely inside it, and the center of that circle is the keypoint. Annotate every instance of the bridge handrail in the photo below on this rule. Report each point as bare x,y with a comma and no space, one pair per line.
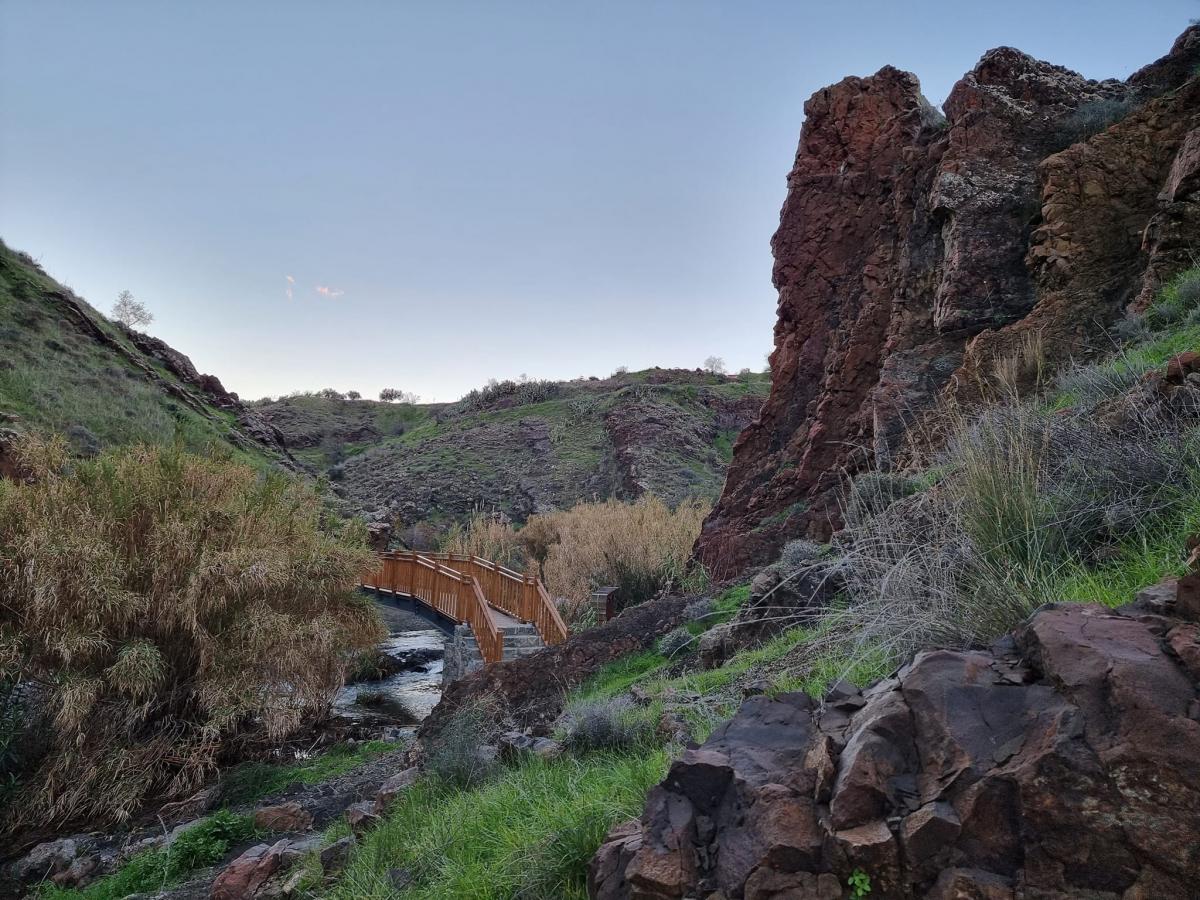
465,596
520,595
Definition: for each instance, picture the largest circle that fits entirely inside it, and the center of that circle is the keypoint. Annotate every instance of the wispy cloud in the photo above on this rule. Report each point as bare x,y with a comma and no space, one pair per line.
328,291
290,281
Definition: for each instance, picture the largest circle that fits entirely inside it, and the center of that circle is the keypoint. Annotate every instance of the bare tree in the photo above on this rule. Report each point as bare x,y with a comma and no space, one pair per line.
715,364
391,395
130,312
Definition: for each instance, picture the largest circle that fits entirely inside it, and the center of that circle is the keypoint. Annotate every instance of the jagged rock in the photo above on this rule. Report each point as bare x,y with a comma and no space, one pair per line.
912,253
394,787
1065,761
246,876
288,816
513,744
362,816
333,857
51,860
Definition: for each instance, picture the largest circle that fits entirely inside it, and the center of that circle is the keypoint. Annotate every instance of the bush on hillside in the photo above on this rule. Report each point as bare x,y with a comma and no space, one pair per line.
1093,117
608,724
163,610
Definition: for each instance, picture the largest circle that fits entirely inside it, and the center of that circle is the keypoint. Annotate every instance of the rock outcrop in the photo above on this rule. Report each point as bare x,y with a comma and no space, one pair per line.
1064,762
913,252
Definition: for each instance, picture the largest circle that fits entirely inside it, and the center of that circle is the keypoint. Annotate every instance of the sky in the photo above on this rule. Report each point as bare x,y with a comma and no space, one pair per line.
425,196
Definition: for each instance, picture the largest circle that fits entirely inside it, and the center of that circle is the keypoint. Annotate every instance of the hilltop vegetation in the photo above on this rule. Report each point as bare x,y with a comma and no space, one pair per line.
521,448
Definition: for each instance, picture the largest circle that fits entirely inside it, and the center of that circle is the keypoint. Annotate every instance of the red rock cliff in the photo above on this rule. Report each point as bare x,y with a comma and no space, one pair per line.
913,251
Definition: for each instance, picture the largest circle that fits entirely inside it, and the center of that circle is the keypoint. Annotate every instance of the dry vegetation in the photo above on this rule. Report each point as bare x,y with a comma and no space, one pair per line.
640,547
160,611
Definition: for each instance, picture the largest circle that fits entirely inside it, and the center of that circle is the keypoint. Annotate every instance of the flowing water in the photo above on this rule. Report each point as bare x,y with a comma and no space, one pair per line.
402,699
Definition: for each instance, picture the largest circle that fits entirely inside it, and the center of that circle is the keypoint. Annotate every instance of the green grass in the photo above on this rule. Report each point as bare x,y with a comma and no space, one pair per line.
151,871
529,833
251,781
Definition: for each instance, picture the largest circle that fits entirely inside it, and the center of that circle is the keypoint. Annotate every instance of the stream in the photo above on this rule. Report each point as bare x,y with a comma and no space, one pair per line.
403,699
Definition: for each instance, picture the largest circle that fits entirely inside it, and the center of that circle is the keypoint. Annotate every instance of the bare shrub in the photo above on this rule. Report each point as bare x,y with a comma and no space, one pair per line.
167,609
699,610
675,642
1028,494
463,753
609,724
130,312
1092,117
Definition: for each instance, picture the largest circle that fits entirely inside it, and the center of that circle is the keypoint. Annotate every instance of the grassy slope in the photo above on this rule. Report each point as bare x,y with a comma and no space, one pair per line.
441,461
56,376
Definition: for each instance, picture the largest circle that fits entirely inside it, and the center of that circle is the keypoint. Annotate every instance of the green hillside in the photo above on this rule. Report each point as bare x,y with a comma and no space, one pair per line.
524,447
65,367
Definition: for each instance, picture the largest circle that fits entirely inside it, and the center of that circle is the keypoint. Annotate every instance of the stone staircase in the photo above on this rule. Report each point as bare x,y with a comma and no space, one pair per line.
462,650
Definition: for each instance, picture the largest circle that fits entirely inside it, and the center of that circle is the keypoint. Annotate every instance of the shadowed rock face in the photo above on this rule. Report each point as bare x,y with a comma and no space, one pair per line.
912,252
1064,762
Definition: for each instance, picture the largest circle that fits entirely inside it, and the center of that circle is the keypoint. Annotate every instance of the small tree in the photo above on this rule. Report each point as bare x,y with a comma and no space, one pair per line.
353,395
389,395
715,364
330,394
130,312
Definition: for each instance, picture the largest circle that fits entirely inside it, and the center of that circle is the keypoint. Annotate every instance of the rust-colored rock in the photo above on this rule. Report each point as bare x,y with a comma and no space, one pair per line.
245,876
914,252
289,816
1063,763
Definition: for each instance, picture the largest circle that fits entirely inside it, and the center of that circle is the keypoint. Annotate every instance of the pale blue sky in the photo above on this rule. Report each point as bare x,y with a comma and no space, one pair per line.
552,188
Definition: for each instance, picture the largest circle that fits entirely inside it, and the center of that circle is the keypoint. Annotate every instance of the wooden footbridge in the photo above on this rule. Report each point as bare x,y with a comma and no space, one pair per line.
473,591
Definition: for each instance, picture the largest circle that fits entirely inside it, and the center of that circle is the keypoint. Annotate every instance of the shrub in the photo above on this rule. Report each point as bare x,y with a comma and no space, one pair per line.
870,494
149,872
675,643
699,610
462,753
640,548
1093,117
166,608
607,724
1089,385
489,535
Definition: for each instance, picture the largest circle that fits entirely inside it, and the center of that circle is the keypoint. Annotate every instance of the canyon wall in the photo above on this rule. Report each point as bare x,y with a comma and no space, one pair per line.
914,251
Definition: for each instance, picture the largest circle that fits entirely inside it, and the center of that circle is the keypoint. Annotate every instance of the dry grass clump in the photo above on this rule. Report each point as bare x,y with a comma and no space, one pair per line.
489,536
639,547
161,609
1028,498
